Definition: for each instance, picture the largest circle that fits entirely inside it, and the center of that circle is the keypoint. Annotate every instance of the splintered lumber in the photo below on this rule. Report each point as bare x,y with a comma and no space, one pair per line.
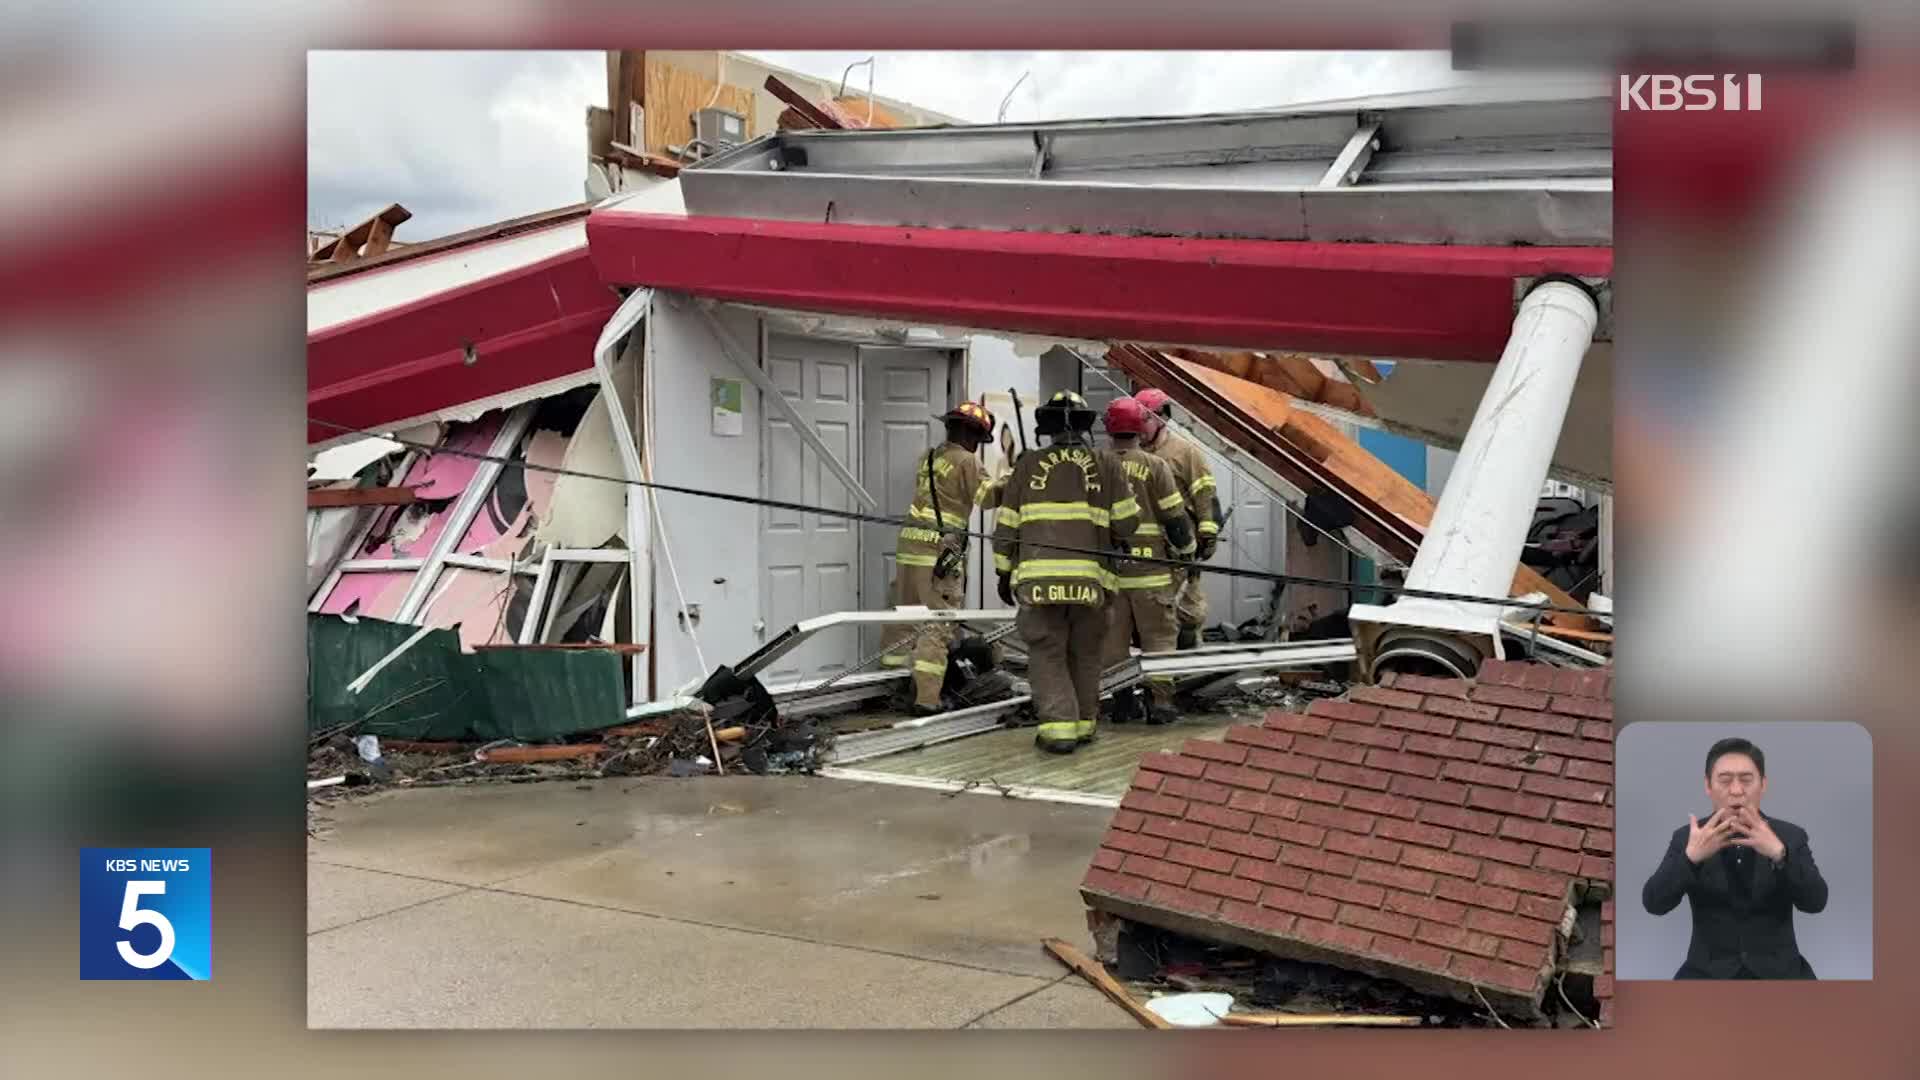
326,498
525,755
1089,969
808,111
1274,1020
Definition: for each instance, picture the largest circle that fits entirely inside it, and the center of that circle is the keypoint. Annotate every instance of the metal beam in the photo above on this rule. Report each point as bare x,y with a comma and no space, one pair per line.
464,510
1353,157
793,636
620,326
923,732
772,393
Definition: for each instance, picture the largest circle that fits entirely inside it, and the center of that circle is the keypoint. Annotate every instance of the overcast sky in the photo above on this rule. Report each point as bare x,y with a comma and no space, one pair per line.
464,139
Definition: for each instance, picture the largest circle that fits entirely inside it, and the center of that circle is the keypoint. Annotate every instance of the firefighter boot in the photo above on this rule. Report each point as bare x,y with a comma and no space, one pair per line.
1189,638
1084,731
1058,736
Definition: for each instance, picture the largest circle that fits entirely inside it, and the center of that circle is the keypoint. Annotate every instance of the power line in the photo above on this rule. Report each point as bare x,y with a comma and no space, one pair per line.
902,522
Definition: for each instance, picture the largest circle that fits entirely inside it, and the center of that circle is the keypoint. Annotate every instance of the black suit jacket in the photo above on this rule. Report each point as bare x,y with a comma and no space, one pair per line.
1740,927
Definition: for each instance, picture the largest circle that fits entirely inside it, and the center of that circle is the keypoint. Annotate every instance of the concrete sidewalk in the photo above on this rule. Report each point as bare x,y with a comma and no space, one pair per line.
780,902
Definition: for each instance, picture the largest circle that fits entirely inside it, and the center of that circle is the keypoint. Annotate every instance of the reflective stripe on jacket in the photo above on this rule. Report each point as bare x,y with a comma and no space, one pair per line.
1194,477
962,484
1063,496
1151,481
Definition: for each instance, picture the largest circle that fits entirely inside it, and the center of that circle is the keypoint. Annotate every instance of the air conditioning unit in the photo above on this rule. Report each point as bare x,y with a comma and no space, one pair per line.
718,129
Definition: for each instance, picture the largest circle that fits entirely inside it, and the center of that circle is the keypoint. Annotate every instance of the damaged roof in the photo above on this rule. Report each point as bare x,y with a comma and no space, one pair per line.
1433,831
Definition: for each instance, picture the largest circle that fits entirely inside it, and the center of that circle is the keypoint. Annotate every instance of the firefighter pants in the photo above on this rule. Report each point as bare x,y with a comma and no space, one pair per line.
1063,665
925,655
1191,607
1147,613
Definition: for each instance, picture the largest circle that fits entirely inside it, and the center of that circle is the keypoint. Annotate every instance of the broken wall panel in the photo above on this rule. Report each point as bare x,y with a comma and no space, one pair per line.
582,512
378,593
484,605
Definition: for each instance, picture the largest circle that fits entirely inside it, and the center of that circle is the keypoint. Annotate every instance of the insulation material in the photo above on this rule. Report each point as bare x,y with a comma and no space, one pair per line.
378,592
349,459
486,605
329,534
587,513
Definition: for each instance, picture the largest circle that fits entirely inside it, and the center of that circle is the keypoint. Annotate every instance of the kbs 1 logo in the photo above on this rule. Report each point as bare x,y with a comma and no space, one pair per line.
1690,93
146,913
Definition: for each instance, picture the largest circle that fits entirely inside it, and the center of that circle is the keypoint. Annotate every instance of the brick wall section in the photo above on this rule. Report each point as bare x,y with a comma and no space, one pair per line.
1433,831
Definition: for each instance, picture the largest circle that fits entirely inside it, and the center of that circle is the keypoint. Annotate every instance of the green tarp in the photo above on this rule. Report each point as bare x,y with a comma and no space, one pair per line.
435,691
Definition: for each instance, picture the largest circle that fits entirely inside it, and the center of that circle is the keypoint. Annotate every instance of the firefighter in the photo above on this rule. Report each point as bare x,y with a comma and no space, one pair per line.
1060,506
930,559
1144,600
1195,479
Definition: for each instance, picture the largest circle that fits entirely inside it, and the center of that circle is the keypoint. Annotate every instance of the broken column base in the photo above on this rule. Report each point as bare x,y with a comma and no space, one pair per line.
1416,636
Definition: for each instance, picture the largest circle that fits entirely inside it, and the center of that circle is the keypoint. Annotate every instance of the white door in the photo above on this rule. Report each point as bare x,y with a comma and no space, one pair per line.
811,560
1253,539
903,390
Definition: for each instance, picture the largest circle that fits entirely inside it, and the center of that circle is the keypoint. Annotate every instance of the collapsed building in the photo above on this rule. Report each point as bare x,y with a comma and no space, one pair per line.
776,324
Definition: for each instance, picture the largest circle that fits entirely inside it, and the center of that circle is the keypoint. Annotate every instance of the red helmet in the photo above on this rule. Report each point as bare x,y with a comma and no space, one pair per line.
1125,416
1154,401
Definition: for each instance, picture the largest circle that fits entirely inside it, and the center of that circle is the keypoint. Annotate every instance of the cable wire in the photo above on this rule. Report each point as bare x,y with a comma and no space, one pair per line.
902,522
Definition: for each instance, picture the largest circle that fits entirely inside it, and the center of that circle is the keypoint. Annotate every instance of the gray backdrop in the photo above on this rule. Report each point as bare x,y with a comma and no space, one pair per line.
1819,776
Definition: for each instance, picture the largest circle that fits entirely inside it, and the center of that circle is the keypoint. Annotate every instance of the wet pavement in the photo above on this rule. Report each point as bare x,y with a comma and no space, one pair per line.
712,902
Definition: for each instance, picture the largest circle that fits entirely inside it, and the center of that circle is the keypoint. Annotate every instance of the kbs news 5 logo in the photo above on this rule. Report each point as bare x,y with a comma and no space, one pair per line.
146,913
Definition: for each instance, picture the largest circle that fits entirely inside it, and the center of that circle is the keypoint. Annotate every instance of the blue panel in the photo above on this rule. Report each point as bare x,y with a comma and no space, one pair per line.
1408,457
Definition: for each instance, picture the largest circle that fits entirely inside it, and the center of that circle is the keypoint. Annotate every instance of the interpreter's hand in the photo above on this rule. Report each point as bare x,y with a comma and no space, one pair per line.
1758,835
1706,838
1006,589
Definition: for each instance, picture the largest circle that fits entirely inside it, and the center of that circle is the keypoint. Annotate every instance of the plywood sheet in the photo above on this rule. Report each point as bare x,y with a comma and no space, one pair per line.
674,94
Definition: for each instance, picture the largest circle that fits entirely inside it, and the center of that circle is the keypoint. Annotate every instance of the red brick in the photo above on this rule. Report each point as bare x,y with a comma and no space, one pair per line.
1591,770
1170,829
1372,919
1606,1007
1543,909
1231,888
1603,986
1494,973
1482,774
1128,820
1536,677
1419,721
1439,791
1410,953
1254,917
1333,772
1107,881
1231,753
1412,833
1328,750
1501,673
1254,802
1399,877
1596,729
1596,868
1268,873
1374,802
1458,939
1432,908
1411,764
1367,735
1312,907
1345,937
1538,832
1461,710
1454,817
1186,900
1486,847
1265,738
1531,761
1498,735
1589,708
1606,936
1109,858
1531,881
1293,765
1293,832
1425,684
1136,844
1220,817
1577,790
1542,723
1325,862
1509,697
1253,847
1441,862
1606,911
1311,790
1557,861
1235,776
1148,803
1598,817
1164,872
1200,858
1579,684
1511,926
1389,699
1590,749
1196,790
1366,847
1333,818
1509,802
1161,761
1476,895
1146,780
1434,746
1319,717
1600,840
